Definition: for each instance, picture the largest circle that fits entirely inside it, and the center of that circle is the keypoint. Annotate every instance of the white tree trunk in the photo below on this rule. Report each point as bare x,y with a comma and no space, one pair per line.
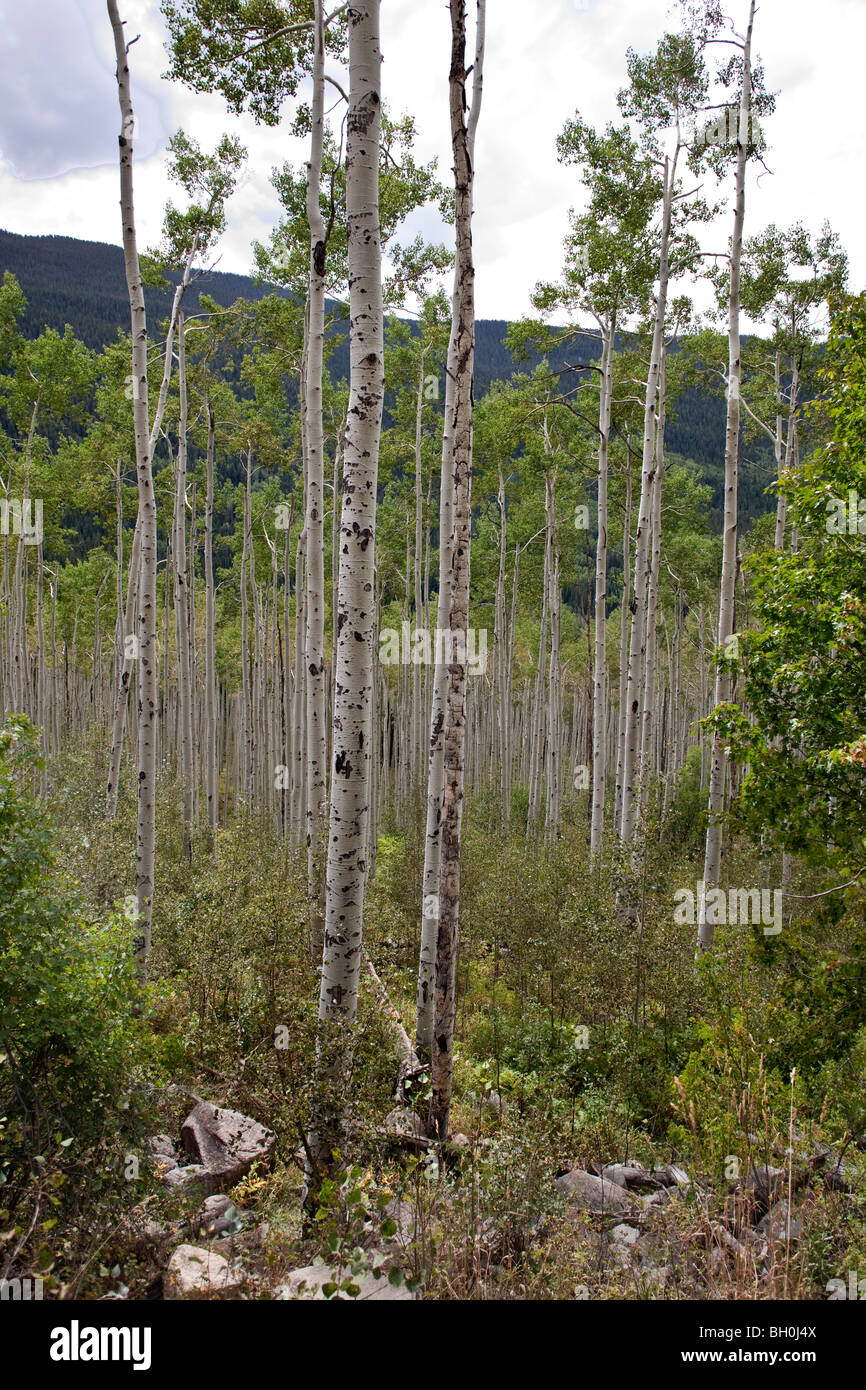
352,722
460,464
147,656
599,674
314,452
716,800
637,643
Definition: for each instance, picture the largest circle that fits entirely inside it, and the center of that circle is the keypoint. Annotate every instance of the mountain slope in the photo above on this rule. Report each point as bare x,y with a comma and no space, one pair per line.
82,283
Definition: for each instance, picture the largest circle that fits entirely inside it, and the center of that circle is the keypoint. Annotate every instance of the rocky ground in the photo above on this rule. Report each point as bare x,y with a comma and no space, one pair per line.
641,1231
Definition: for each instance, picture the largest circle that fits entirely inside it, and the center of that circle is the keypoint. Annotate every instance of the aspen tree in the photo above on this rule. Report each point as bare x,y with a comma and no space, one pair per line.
208,180
715,804
147,692
314,441
210,678
607,272
666,89
459,464
354,686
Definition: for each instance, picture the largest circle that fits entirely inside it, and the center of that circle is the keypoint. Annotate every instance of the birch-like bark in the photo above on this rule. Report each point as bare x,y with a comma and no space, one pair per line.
460,464
553,813
625,607
599,673
181,603
246,693
502,715
147,689
417,741
314,452
436,758
536,745
127,649
299,777
716,799
648,722
210,686
354,689
637,643
783,468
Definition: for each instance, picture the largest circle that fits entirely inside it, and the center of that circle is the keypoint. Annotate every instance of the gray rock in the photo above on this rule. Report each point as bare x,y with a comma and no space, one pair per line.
490,1242
154,1232
653,1278
492,1103
661,1197
672,1176
234,1241
307,1284
404,1124
766,1183
226,1143
835,1180
774,1226
495,1104
592,1193
628,1175
403,1216
162,1144
623,1240
192,1176
626,1236
216,1206
196,1273
219,1216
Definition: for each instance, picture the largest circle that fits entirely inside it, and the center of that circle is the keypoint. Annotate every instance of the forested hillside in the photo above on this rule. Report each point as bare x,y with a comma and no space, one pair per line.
82,284
433,749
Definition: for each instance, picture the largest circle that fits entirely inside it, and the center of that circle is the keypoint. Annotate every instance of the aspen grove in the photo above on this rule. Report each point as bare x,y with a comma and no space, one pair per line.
432,752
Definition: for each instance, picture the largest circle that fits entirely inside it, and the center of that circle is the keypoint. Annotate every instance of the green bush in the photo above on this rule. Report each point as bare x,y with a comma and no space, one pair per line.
73,1036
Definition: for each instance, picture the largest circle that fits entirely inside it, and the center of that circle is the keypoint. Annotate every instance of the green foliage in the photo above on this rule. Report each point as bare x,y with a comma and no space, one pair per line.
803,657
74,1049
349,1210
254,52
728,1102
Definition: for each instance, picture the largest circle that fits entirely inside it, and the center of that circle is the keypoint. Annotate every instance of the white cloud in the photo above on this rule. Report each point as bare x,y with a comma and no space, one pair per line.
543,61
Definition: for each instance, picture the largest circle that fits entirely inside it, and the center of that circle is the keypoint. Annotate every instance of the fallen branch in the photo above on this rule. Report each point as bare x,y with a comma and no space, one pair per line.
410,1064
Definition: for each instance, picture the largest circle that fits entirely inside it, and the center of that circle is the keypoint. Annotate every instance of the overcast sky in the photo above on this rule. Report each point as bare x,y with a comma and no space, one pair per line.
545,58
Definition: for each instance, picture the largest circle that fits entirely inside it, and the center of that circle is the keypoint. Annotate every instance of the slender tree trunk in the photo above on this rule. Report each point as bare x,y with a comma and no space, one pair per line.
417,739
713,853
181,604
210,684
353,688
625,605
648,723
147,690
637,643
127,655
460,463
315,448
599,675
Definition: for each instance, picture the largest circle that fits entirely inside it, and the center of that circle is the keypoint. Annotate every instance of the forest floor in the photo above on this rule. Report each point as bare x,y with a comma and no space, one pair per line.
624,1125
